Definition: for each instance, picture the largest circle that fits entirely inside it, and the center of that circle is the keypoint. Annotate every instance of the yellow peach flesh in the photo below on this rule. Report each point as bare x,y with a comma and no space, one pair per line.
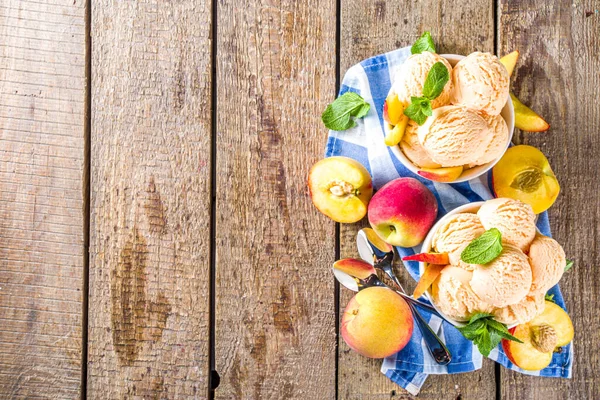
510,61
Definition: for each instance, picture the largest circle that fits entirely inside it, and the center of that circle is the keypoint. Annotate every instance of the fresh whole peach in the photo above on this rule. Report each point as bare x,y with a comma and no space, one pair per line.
540,336
340,188
402,212
377,323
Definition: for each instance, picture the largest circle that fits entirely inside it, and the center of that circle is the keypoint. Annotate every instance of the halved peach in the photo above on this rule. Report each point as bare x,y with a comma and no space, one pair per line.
395,135
540,336
526,119
393,109
354,267
447,174
431,258
509,61
524,173
429,276
340,188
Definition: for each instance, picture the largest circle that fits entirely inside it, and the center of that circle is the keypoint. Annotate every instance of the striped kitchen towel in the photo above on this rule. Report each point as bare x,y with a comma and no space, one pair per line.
410,367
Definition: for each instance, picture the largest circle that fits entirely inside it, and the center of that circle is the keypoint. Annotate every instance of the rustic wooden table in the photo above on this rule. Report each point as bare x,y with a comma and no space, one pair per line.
155,221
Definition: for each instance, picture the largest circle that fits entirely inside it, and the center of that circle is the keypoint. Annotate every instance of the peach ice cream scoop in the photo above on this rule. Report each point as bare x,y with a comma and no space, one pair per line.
453,295
514,219
411,76
524,311
455,136
506,280
548,260
499,141
481,82
411,147
456,234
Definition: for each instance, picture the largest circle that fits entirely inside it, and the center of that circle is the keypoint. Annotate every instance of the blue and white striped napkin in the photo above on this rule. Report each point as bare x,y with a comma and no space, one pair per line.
410,367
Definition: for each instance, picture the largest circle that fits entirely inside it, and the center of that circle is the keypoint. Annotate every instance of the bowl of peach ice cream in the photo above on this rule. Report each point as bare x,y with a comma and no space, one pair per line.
472,120
511,287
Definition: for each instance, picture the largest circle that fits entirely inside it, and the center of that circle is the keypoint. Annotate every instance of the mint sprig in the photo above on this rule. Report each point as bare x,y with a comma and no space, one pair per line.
338,115
420,107
486,332
424,43
484,249
569,265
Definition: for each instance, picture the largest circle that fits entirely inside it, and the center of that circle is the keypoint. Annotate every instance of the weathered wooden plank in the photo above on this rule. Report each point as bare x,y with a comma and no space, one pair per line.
41,198
150,205
369,28
557,75
275,325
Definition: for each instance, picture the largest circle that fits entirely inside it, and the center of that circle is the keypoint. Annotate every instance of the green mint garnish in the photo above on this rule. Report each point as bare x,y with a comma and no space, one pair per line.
486,332
424,43
484,249
569,265
420,107
549,297
338,115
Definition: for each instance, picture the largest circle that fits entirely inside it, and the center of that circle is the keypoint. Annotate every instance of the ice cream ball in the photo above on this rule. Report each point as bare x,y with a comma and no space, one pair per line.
514,219
411,76
499,142
455,234
505,280
524,311
548,261
413,150
455,136
481,82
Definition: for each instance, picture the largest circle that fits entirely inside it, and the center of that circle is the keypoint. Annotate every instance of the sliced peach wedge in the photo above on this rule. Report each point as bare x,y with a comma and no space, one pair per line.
526,119
354,267
447,174
393,114
431,258
340,188
524,173
510,61
432,271
541,337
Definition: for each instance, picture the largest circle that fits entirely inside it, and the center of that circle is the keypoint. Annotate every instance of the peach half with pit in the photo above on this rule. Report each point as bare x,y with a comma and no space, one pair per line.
340,188
377,322
524,173
541,337
402,212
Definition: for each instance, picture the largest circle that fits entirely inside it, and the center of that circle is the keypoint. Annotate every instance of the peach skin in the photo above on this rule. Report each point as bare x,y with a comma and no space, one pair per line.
402,212
377,323
524,173
431,258
540,336
429,276
354,267
340,188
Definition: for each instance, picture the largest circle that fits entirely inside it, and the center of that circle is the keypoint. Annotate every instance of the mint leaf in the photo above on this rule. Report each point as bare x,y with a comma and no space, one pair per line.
436,80
484,249
417,110
424,43
338,115
549,297
569,265
485,332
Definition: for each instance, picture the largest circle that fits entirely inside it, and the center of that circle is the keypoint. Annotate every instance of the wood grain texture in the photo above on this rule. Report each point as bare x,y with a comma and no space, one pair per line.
557,75
275,321
42,93
369,28
150,200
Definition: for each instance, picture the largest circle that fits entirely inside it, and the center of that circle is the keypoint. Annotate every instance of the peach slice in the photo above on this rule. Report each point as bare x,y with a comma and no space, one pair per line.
393,109
354,267
447,174
540,336
395,135
526,119
377,322
340,188
524,173
510,61
377,241
429,276
430,258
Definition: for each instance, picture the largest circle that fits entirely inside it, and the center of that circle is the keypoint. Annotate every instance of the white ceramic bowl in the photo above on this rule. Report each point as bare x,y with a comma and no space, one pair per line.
508,113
